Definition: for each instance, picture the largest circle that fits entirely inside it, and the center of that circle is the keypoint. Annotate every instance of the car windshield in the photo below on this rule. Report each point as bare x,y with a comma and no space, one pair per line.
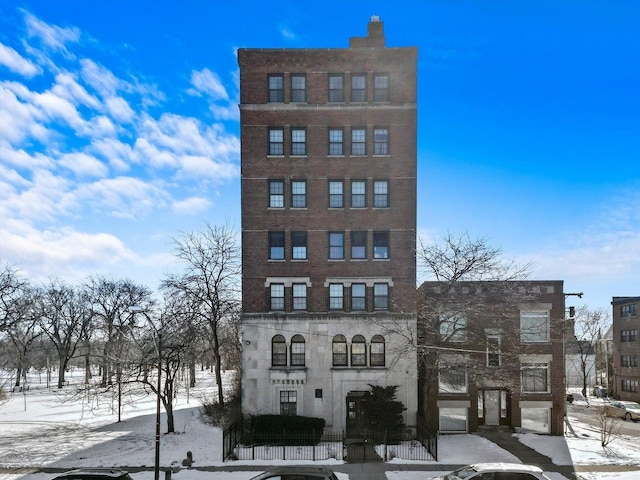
460,474
632,406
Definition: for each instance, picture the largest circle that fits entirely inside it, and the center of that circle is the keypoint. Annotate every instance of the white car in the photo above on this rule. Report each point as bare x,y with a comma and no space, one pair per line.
622,409
496,471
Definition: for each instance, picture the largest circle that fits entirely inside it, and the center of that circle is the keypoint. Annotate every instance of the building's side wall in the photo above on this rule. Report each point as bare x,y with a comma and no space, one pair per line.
626,379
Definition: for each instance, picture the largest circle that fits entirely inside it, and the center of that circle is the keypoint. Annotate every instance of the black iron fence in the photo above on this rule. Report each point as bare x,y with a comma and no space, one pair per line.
382,445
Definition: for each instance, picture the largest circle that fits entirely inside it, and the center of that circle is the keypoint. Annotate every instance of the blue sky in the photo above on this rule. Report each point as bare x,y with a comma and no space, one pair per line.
119,127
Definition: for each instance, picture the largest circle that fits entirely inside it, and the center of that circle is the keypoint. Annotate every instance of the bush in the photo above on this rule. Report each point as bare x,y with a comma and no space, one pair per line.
285,429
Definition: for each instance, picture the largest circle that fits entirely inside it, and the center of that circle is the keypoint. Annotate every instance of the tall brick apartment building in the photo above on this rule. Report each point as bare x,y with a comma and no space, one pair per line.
626,348
328,142
491,355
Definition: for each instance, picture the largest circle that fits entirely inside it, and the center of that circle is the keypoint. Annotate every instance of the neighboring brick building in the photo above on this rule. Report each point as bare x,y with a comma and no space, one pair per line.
626,348
491,354
328,139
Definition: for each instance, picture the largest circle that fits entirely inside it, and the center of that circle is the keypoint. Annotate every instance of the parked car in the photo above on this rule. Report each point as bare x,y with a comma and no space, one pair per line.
623,409
496,471
94,474
297,473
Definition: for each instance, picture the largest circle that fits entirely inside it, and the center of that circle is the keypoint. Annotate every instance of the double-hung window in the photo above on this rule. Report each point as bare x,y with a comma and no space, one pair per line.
381,88
339,351
278,351
336,141
453,328
535,377
298,194
358,194
452,379
628,361
336,296
276,245
359,244
358,297
629,335
380,245
628,310
336,87
381,193
376,353
381,296
276,193
358,351
299,296
277,296
494,351
276,141
336,194
298,88
358,88
297,351
534,326
358,141
299,245
276,88
336,245
298,141
288,402
381,141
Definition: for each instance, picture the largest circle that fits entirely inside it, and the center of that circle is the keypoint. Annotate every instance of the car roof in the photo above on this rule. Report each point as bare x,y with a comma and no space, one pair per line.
297,469
93,472
499,466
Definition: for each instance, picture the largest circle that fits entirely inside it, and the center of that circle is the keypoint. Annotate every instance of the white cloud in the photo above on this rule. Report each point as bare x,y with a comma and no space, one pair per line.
58,108
191,206
22,159
119,109
68,88
287,33
17,63
83,165
116,152
19,118
53,37
206,81
99,78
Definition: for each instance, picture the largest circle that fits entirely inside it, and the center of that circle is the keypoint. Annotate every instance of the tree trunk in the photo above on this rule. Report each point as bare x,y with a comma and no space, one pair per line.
18,376
61,369
192,374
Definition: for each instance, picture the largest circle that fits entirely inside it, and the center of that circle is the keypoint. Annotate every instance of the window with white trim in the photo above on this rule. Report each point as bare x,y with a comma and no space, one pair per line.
278,351
381,141
299,296
336,87
298,141
336,141
276,88
358,194
377,351
336,296
381,296
339,351
276,193
277,296
534,326
336,194
297,351
381,194
358,88
298,194
452,379
380,245
358,297
299,245
535,377
358,351
276,245
358,141
276,141
336,245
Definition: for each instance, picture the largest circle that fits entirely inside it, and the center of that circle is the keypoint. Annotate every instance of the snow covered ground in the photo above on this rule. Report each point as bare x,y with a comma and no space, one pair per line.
46,428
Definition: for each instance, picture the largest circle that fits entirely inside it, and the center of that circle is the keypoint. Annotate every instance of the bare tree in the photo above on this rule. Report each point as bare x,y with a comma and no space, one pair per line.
584,332
210,284
63,314
12,288
22,331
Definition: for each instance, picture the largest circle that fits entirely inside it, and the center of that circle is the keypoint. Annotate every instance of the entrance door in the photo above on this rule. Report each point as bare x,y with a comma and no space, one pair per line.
492,407
355,427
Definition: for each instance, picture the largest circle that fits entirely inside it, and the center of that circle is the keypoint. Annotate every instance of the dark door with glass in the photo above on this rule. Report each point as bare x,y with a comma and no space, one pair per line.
355,425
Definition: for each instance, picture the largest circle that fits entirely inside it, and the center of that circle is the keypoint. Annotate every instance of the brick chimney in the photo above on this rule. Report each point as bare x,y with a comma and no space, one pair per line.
374,38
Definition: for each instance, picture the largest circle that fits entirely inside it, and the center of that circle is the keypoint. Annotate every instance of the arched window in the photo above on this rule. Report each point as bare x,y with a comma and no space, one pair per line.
376,353
358,351
339,351
297,351
278,351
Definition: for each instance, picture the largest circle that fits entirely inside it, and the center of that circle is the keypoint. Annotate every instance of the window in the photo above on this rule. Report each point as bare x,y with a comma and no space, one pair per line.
381,194
276,194
299,194
380,244
298,141
535,420
299,245
628,310
276,245
336,194
299,296
298,88
288,402
359,245
358,194
376,354
339,349
297,351
535,377
336,139
278,351
318,393
628,361
452,379
381,296
358,141
453,329
453,419
358,351
381,141
277,296
276,141
336,245
534,326
358,296
358,88
629,385
381,88
494,354
336,296
336,88
629,335
276,88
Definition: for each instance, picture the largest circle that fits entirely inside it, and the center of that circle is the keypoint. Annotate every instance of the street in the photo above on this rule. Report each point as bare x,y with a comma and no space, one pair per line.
588,415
